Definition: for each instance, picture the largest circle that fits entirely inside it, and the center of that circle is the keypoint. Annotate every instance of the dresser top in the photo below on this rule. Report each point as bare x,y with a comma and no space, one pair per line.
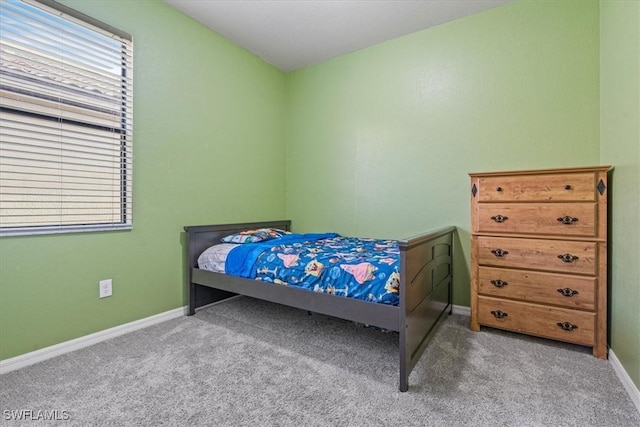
602,168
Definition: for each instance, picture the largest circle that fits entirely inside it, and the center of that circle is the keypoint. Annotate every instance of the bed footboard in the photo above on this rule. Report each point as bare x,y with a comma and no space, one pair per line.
426,289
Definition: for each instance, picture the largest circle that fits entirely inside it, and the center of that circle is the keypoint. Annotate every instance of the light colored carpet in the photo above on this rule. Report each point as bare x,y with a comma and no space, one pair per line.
252,363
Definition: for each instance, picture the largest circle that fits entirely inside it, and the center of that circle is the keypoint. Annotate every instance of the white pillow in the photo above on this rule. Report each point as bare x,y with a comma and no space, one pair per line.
214,258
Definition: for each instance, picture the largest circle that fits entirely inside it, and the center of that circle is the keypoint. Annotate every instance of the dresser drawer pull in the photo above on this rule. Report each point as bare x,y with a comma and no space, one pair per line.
498,188
567,292
499,314
568,220
567,326
567,257
567,187
499,218
499,252
499,283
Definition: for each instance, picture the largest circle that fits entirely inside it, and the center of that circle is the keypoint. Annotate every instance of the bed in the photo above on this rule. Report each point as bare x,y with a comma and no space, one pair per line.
424,284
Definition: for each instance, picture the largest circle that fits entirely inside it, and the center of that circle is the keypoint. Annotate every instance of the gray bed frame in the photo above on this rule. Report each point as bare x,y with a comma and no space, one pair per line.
426,274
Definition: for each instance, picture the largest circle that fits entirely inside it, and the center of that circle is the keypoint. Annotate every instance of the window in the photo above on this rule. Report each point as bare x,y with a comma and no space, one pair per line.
65,121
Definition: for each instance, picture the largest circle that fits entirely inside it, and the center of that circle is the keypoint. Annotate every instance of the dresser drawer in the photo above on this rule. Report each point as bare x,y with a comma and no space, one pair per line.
536,254
547,288
543,187
562,219
549,322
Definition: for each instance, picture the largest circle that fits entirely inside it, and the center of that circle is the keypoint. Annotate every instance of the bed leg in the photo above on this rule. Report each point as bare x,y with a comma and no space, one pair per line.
450,297
451,282
404,374
452,254
191,308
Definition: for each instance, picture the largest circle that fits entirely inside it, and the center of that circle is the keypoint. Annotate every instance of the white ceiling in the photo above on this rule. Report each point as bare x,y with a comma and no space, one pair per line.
292,34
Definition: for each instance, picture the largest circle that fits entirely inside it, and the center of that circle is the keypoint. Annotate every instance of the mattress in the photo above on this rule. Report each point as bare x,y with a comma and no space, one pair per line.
360,268
215,257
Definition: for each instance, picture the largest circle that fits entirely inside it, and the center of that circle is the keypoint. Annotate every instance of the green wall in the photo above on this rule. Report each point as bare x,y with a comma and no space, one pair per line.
380,141
208,147
620,146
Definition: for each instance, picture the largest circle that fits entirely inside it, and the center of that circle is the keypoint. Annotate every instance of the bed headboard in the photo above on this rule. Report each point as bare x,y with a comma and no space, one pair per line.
200,237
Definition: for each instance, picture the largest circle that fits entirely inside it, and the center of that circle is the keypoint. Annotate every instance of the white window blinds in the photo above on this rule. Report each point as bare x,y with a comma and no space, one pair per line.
66,115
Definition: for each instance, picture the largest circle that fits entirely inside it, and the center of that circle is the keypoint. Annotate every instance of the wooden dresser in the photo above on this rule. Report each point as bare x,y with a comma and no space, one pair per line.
539,253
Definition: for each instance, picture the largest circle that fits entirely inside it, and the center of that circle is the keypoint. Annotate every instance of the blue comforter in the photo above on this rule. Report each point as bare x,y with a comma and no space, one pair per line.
361,268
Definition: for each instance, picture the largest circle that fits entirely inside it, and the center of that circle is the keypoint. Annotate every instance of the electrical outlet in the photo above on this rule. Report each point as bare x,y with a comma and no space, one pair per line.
105,288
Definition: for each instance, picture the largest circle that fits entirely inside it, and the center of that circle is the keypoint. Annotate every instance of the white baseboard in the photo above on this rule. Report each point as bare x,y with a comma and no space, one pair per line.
33,357
625,379
462,310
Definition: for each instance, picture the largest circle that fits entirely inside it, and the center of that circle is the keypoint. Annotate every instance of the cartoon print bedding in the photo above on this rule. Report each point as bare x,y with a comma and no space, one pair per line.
361,268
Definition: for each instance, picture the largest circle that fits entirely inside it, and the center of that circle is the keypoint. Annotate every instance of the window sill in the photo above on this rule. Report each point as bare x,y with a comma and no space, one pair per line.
33,231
